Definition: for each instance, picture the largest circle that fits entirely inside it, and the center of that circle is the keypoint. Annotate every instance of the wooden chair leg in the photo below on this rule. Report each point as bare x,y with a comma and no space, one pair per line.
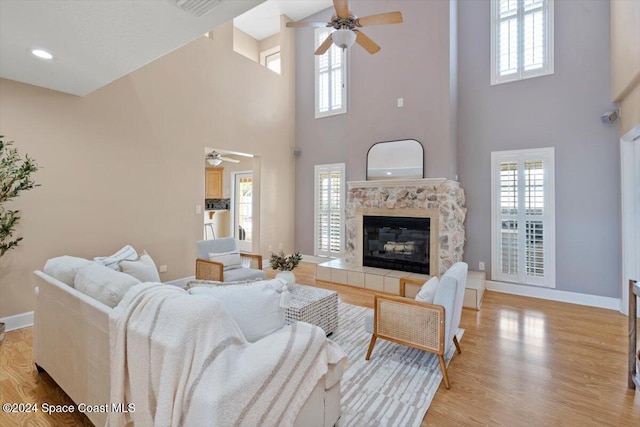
455,341
371,344
443,368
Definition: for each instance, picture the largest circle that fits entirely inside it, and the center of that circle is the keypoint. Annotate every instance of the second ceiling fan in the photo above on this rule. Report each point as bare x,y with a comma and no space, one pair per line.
347,27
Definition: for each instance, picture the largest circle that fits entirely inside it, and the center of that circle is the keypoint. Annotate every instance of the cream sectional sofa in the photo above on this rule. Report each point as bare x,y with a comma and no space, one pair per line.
71,343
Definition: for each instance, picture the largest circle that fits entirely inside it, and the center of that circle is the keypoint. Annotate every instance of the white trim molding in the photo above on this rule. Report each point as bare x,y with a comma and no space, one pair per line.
554,295
18,321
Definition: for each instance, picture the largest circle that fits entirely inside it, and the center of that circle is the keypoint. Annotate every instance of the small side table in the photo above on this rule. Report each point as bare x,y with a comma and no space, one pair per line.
634,376
313,305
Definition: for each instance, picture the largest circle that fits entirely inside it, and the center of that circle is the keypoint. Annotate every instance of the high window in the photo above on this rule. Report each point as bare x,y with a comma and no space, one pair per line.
523,219
329,209
521,39
330,77
270,58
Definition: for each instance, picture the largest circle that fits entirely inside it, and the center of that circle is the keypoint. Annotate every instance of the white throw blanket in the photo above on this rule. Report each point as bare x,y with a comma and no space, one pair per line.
183,361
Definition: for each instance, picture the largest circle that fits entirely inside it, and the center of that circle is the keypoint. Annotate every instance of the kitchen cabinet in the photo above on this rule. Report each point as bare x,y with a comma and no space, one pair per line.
213,183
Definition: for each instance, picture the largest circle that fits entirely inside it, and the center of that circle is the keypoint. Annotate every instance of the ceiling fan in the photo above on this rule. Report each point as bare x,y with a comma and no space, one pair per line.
214,159
347,26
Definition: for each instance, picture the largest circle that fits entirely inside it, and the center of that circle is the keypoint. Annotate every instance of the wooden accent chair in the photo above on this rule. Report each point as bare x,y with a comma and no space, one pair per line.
213,270
428,327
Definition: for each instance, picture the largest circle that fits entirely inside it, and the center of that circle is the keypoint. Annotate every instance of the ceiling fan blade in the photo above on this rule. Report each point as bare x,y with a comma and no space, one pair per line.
306,24
368,44
342,8
380,19
229,159
326,44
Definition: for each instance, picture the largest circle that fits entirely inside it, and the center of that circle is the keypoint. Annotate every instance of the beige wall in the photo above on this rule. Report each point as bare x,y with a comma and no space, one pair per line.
269,42
123,165
625,61
246,45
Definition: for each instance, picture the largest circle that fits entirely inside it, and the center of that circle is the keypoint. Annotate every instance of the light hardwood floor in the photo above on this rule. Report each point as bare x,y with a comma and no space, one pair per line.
524,362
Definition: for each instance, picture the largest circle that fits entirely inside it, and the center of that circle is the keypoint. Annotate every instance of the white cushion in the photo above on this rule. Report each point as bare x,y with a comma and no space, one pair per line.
64,268
256,307
113,261
144,269
428,291
103,284
230,260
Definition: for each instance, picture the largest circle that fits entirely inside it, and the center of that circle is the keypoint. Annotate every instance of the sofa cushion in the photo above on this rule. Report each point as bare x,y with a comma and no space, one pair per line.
428,291
103,284
244,274
257,308
65,268
231,260
143,269
113,261
211,283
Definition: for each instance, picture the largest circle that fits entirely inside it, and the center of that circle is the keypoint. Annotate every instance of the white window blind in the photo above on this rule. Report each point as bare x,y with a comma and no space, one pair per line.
521,39
330,78
523,225
329,209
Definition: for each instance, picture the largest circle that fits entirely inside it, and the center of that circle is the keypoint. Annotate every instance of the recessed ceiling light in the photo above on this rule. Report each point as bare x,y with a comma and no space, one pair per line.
41,53
389,173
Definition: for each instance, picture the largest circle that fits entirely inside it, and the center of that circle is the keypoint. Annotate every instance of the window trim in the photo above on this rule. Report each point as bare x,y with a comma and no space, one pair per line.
547,155
343,110
316,174
547,70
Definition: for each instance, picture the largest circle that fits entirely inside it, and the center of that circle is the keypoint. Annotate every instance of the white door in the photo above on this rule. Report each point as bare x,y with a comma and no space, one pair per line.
242,205
630,168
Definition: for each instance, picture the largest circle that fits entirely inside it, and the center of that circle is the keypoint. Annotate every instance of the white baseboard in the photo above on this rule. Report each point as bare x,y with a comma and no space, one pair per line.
18,321
555,295
315,259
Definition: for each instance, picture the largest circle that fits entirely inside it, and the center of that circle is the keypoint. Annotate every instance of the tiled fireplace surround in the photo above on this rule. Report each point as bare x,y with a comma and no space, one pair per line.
439,199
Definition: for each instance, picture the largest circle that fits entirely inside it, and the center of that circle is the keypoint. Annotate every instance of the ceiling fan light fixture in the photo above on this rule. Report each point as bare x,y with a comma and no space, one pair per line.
343,38
214,161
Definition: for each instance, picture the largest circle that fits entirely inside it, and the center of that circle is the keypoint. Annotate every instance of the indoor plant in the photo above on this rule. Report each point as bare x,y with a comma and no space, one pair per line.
285,263
15,177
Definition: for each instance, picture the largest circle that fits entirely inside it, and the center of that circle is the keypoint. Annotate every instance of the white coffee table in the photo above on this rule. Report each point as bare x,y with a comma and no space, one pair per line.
313,305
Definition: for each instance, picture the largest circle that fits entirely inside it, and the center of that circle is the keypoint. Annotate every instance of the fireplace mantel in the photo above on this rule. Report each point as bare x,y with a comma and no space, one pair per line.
392,183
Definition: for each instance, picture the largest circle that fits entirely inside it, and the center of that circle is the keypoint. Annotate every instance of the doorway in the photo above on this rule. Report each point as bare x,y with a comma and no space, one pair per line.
242,209
630,168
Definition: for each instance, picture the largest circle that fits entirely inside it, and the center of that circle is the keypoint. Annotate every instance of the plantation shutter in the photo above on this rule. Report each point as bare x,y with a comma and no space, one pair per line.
523,243
329,209
330,78
522,38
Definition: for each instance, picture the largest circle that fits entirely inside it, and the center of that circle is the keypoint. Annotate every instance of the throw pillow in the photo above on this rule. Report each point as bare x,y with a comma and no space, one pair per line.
65,268
258,309
231,260
428,291
113,261
144,269
103,284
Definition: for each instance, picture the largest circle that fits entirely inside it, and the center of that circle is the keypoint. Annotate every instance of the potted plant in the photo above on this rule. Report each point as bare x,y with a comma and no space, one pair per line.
15,177
285,264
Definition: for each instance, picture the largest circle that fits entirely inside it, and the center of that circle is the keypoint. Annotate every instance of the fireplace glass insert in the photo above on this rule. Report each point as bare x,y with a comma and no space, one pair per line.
396,243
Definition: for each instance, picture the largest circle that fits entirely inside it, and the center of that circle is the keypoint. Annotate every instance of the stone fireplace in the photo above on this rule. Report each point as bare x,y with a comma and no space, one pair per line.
440,200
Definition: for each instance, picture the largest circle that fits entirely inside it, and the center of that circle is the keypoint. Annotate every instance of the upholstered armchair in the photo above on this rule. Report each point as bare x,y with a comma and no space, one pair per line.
425,326
228,264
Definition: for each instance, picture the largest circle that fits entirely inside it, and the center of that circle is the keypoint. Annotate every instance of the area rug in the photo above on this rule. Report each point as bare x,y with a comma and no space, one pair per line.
395,387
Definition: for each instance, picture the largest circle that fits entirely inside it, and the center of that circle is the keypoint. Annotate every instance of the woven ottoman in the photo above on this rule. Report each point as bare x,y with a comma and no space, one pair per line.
313,305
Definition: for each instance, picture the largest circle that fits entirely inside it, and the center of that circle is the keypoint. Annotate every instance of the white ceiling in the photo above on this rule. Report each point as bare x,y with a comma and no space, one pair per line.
94,42
264,20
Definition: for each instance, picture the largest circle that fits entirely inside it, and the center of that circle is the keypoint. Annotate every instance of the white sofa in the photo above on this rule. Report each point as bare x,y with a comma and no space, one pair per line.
71,343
